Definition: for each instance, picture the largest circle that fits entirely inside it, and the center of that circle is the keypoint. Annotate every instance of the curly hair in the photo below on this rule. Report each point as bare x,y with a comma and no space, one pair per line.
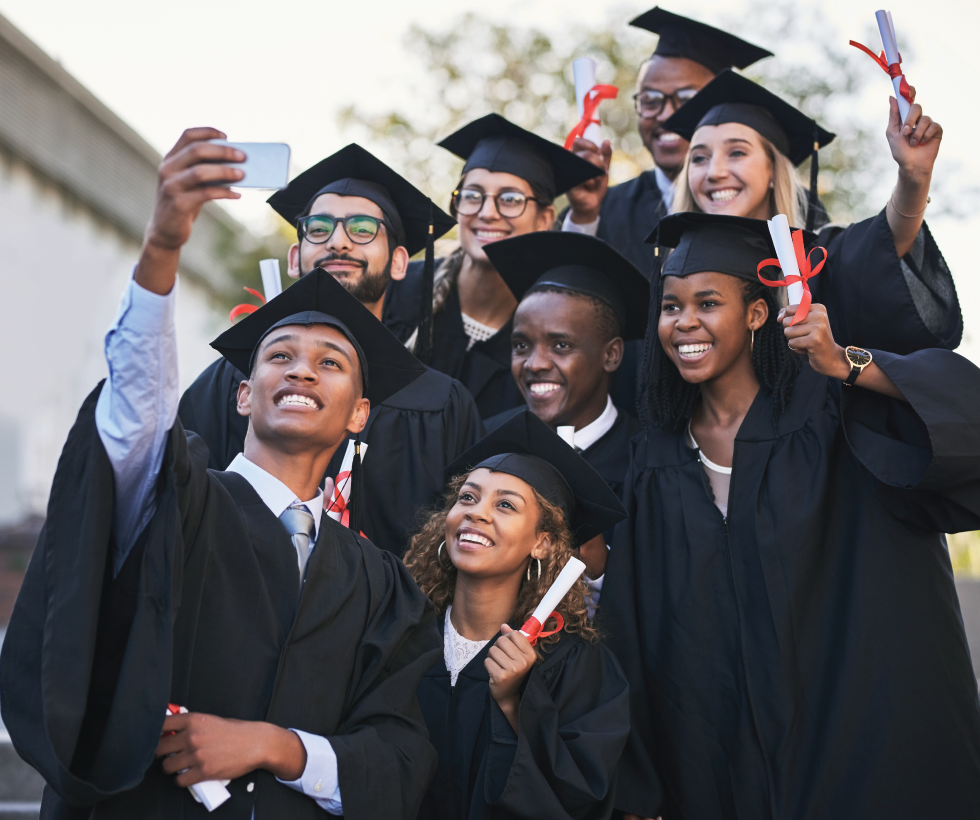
666,401
436,576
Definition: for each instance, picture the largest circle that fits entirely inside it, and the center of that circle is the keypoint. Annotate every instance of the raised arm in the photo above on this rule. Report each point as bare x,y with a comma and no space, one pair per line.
138,403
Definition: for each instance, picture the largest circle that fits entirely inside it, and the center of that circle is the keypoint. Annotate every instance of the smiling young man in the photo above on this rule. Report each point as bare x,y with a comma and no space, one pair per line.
294,643
579,301
360,222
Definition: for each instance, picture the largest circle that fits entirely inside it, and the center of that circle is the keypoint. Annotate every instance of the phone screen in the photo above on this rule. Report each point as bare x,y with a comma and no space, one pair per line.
266,164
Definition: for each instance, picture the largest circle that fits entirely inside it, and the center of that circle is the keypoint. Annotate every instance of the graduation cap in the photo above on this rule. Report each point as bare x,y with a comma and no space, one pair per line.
352,171
715,242
730,97
526,447
711,47
579,263
497,144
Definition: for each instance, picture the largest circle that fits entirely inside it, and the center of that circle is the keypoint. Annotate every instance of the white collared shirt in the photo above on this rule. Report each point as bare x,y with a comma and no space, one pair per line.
585,437
666,187
276,495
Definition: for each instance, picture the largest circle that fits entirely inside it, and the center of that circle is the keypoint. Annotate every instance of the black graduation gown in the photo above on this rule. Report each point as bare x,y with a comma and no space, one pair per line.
574,720
412,436
804,658
207,613
484,369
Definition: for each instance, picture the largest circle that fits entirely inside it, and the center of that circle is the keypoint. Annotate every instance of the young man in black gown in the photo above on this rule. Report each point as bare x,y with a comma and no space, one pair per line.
295,644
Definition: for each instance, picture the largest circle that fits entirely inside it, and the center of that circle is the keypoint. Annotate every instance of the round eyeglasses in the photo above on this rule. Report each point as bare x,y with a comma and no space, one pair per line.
510,204
650,102
361,229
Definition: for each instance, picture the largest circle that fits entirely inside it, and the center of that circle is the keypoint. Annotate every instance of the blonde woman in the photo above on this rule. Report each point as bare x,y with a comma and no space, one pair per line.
885,283
521,730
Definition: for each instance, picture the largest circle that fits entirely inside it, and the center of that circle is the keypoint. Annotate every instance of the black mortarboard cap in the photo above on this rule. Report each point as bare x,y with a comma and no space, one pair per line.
576,262
497,144
715,242
711,47
526,447
318,298
352,171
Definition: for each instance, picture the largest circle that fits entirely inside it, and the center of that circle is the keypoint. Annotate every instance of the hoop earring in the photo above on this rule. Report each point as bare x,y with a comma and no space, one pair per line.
752,343
539,568
439,553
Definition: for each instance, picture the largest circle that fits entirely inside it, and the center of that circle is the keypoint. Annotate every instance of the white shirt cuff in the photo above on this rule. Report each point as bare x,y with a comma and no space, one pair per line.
588,228
319,778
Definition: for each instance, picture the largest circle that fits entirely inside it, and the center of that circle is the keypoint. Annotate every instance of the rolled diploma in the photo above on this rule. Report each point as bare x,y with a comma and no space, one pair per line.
583,70
559,589
889,44
567,434
342,488
783,240
271,283
212,793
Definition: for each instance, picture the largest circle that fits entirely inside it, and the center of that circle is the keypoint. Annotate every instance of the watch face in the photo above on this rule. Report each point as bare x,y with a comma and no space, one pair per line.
858,357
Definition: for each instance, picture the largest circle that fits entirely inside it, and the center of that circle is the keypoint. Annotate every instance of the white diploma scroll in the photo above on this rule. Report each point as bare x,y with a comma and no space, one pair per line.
212,793
583,70
889,44
271,283
567,434
341,488
783,240
559,589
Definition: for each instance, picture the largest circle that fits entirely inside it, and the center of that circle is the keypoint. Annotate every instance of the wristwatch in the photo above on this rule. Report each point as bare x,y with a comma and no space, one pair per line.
858,358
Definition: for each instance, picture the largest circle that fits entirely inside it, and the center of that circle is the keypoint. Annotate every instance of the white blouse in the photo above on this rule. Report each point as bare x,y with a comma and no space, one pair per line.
457,650
720,478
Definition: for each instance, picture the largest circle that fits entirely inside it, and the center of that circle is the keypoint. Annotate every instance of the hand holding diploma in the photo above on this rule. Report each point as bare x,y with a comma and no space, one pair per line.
795,263
585,141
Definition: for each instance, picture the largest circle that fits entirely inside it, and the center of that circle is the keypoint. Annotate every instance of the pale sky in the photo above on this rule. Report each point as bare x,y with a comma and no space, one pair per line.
280,72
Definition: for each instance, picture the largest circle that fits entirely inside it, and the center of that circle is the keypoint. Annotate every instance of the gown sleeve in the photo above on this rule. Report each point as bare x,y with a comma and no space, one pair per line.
86,667
573,722
876,300
924,455
384,759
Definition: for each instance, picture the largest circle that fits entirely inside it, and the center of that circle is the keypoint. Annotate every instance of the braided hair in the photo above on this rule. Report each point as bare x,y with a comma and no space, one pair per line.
666,401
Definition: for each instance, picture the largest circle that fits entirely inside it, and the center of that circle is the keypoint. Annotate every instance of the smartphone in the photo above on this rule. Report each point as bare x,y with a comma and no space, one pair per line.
266,164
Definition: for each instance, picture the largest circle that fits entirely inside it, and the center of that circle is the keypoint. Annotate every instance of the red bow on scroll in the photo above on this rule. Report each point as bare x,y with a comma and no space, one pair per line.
239,310
806,272
533,628
590,107
893,70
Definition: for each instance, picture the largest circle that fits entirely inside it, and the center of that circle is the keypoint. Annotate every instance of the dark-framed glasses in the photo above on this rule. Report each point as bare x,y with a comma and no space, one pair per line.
650,102
469,201
361,229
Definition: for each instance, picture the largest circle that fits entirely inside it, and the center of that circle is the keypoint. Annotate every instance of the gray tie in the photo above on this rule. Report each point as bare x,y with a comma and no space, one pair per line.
299,524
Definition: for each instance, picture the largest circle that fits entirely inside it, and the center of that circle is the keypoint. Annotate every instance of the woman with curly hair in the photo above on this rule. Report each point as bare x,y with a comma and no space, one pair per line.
781,597
521,730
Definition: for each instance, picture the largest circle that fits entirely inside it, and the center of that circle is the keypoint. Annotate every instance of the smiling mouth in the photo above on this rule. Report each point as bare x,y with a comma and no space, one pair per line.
473,537
724,195
693,351
667,138
489,234
543,388
295,400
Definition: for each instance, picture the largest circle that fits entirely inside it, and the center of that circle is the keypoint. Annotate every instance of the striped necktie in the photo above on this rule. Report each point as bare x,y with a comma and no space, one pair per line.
299,524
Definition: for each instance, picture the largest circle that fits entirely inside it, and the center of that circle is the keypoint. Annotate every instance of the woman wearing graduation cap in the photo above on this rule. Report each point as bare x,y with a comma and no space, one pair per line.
460,322
885,283
521,730
781,597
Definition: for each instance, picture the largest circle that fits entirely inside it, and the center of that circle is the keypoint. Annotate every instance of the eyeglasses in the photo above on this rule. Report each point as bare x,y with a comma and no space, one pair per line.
510,204
650,103
361,229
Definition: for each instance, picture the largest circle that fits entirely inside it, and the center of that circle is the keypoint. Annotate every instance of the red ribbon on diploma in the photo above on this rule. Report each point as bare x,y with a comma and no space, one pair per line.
532,628
806,272
893,70
590,108
337,501
238,310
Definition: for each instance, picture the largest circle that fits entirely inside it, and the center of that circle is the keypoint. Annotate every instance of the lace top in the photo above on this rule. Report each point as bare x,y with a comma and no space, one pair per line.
457,650
477,331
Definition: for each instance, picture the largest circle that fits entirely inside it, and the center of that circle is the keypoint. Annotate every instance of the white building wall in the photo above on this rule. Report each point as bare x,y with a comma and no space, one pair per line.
62,270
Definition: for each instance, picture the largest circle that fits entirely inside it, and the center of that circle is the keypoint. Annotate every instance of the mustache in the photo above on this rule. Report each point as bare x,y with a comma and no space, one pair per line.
339,257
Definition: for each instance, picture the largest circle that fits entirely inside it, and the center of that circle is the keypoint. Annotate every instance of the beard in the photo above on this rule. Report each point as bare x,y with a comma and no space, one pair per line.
369,287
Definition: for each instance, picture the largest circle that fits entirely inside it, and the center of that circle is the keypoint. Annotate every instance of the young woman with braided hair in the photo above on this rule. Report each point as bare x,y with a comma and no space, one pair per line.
521,731
780,597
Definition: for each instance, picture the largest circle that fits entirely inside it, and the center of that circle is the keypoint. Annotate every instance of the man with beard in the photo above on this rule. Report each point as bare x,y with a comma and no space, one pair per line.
360,222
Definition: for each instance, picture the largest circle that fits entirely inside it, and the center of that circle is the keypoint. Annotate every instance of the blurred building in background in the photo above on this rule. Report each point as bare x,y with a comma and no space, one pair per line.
77,187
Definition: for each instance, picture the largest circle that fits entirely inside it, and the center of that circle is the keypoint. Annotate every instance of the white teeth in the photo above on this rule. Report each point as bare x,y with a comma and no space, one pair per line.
724,195
541,388
490,234
668,137
693,350
292,398
476,539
